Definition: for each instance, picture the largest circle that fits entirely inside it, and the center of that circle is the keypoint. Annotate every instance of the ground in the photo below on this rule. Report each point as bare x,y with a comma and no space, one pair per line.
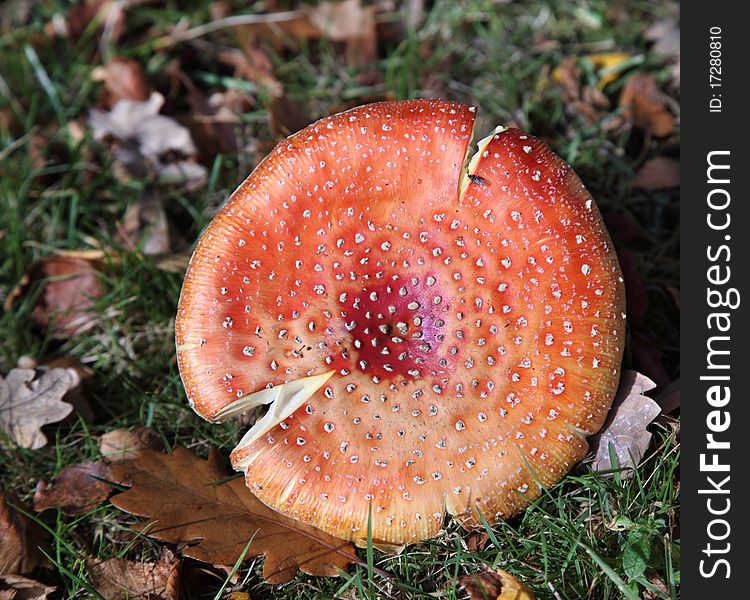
60,190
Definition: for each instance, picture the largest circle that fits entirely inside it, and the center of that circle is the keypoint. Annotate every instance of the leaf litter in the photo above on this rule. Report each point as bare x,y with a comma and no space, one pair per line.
32,398
172,490
120,579
21,538
147,144
625,429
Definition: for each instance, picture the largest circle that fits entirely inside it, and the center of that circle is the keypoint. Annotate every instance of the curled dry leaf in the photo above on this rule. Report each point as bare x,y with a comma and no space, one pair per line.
145,142
119,579
645,107
32,398
66,303
123,79
625,428
75,490
495,585
587,102
657,173
190,502
123,444
16,587
20,538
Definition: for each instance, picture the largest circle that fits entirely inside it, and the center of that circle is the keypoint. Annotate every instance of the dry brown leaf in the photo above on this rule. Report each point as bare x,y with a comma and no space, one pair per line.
186,498
625,427
495,585
657,173
123,79
287,116
145,142
20,538
349,22
476,541
66,304
645,107
75,490
123,444
119,579
16,587
108,15
145,226
587,102
32,398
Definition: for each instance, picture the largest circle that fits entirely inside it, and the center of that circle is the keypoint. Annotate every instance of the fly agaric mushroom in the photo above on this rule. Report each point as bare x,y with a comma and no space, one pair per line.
433,334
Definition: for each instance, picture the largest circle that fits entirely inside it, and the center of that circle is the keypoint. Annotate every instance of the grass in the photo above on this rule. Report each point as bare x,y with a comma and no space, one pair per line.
587,537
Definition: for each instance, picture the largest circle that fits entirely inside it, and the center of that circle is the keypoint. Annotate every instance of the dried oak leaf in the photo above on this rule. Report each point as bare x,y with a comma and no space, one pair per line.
31,398
187,502
625,427
20,538
122,78
120,579
75,490
16,587
123,444
66,303
657,173
645,107
495,585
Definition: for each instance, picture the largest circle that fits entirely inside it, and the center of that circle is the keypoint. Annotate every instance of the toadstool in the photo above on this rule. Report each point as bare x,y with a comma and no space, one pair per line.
433,333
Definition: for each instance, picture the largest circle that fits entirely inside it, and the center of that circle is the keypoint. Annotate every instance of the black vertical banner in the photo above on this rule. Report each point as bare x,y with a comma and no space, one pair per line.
715,259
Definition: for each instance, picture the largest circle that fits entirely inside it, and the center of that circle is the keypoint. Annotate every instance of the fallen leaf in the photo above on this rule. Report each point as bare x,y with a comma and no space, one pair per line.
75,490
625,427
32,398
123,79
657,173
16,587
585,101
495,585
108,14
66,303
145,226
189,502
349,22
120,579
21,538
476,541
147,143
123,444
76,396
608,65
644,106
287,116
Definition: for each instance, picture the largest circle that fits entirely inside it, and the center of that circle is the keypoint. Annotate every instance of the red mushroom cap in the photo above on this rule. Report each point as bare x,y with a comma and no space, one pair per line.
431,340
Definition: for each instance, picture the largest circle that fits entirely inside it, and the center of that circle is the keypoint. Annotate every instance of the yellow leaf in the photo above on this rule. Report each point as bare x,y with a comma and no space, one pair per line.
495,585
607,65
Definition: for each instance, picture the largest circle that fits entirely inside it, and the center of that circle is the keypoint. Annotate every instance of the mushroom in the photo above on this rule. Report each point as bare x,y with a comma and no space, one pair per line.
433,334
